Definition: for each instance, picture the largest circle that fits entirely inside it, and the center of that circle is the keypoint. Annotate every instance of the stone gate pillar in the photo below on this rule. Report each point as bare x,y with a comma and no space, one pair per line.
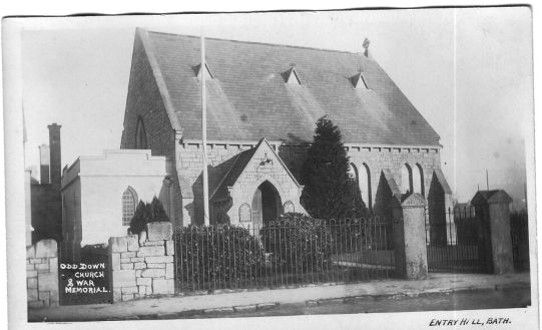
495,243
409,236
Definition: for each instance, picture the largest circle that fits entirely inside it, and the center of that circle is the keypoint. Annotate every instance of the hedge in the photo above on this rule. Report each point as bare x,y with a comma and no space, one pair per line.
216,256
298,243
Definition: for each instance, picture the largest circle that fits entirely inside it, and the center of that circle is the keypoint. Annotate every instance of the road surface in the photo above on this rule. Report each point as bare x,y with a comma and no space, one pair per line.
464,300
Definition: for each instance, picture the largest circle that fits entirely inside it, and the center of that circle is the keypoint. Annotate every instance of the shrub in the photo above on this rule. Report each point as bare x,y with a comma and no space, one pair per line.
213,256
157,212
298,243
145,213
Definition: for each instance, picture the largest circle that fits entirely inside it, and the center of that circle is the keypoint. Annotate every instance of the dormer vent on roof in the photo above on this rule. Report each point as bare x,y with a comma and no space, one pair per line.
290,76
197,71
358,81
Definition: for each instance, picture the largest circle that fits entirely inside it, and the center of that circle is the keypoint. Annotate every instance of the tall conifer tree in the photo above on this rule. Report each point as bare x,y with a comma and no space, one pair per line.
329,193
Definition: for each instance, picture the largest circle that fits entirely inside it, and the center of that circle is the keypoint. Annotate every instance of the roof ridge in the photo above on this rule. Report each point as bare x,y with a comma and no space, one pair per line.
259,43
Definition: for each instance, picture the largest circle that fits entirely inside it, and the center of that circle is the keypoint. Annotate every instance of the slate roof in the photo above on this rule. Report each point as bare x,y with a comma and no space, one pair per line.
442,179
229,173
248,98
491,196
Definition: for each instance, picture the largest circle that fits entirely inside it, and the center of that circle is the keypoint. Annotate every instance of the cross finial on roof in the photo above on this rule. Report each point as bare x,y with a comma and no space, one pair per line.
366,44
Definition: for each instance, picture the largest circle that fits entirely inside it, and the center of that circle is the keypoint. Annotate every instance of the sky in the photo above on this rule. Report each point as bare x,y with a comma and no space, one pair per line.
468,72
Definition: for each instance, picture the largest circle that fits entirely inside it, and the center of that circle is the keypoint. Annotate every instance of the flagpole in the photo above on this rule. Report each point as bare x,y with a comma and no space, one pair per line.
203,72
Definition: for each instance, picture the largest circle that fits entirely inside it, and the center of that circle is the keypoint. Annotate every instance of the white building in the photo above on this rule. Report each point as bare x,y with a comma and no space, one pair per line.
100,194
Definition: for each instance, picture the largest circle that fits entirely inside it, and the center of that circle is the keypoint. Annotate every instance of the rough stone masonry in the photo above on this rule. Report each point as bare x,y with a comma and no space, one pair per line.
142,265
42,274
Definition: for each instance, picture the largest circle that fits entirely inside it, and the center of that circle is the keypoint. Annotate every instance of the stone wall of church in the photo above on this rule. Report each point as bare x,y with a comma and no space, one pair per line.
189,168
145,101
393,159
376,159
257,172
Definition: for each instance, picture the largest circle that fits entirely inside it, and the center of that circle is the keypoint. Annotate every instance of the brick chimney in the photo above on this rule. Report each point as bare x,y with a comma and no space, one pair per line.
55,156
45,164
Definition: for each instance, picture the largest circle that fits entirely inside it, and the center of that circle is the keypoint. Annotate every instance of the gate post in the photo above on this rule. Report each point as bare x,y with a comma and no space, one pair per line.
493,213
409,236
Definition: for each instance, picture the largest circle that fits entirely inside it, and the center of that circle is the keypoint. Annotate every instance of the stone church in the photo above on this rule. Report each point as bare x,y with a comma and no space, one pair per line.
263,101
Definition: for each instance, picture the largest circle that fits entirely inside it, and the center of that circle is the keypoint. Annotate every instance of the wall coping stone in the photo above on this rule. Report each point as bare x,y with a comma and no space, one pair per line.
46,248
159,231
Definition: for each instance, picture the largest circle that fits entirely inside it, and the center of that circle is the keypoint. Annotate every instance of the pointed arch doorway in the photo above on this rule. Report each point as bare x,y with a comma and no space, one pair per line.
266,204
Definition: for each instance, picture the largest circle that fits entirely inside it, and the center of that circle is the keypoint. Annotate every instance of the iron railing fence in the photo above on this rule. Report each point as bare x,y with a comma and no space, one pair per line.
278,255
454,244
519,233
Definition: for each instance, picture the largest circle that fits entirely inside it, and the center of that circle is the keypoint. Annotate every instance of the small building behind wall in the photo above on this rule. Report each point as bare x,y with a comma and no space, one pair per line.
100,194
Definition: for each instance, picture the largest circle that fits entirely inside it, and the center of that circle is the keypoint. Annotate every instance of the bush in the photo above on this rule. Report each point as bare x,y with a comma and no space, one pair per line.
213,256
298,243
145,213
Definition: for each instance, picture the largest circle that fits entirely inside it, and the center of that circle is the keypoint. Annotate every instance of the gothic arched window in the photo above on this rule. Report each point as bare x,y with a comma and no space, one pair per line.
418,179
352,172
289,207
406,179
365,185
245,213
141,135
129,204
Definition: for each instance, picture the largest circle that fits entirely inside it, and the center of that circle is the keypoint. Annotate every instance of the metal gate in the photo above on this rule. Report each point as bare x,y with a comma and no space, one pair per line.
519,232
456,245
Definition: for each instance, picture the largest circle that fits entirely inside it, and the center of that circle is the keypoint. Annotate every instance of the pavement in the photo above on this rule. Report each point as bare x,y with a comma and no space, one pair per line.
267,299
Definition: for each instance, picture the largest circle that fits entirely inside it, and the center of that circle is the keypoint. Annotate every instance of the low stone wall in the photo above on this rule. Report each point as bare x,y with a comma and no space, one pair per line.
42,274
142,265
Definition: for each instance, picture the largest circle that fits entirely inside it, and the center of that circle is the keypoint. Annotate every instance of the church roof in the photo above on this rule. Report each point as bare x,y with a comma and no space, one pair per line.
248,97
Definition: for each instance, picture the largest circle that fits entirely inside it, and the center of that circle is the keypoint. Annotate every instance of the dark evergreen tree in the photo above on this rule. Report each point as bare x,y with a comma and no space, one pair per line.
145,213
158,213
329,192
140,219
